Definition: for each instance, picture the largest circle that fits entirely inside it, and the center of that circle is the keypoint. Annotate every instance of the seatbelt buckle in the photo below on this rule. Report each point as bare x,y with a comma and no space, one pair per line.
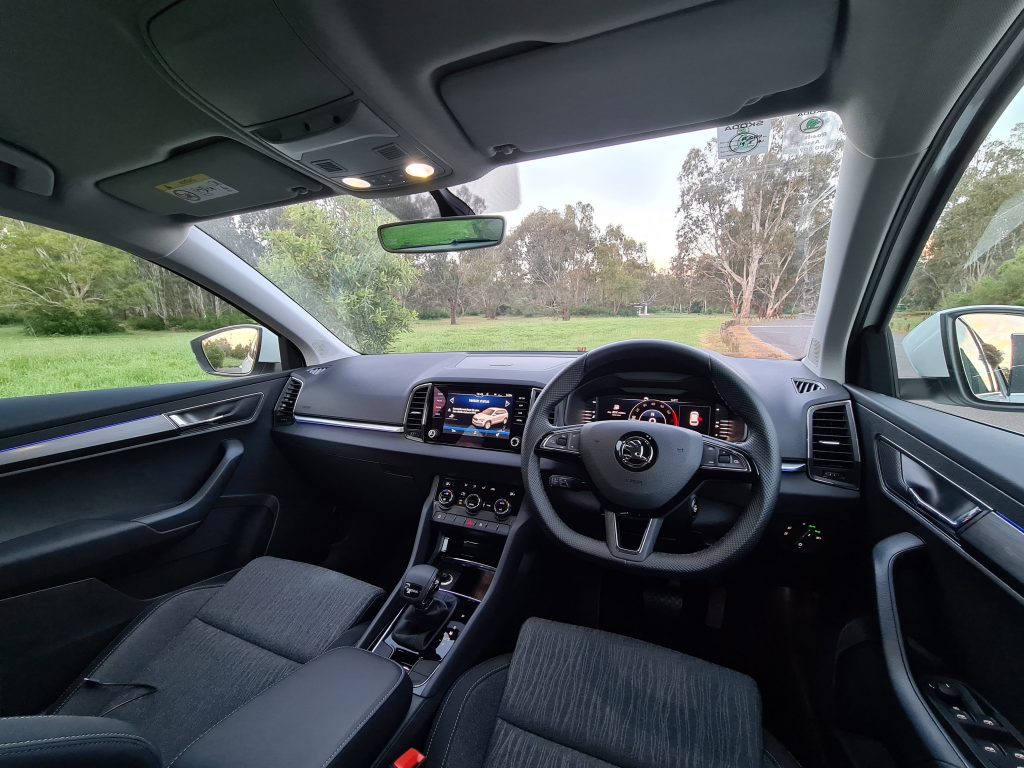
410,759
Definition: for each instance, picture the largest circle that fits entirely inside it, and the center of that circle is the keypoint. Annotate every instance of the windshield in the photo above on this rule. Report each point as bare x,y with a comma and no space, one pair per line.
714,238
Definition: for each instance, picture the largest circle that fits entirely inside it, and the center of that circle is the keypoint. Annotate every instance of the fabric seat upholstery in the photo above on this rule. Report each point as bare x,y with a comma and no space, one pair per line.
580,698
207,651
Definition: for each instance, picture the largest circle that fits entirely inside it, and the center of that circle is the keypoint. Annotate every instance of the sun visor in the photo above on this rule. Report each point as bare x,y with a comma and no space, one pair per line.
696,66
212,180
243,57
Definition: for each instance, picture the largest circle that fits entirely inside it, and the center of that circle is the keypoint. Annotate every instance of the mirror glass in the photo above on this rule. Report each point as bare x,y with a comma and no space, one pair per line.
233,351
460,233
991,348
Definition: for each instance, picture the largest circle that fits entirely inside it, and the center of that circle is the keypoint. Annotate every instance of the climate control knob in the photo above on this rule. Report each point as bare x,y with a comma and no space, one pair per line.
473,503
502,507
445,497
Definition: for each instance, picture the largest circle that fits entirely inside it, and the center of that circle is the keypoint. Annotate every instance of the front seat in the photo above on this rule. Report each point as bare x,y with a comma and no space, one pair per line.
210,662
575,697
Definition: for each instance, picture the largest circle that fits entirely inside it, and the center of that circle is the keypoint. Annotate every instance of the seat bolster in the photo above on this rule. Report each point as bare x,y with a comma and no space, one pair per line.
50,741
338,710
776,755
463,727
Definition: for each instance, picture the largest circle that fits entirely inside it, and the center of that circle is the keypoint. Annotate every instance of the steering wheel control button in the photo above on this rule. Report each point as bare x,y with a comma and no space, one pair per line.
564,440
636,452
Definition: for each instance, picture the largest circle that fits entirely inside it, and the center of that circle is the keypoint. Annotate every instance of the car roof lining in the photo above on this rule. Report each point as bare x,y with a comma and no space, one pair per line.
97,101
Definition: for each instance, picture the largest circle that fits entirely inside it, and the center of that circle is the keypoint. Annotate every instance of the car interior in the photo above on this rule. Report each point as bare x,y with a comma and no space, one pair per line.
641,555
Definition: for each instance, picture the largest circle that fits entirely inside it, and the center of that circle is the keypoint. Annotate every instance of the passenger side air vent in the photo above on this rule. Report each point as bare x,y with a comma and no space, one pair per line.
803,386
327,166
390,152
416,413
832,450
284,411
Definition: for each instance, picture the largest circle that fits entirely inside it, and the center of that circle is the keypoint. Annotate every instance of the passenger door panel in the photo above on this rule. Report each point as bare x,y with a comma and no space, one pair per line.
101,515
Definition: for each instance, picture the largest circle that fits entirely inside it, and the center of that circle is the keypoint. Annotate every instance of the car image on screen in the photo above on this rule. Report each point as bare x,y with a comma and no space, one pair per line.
490,417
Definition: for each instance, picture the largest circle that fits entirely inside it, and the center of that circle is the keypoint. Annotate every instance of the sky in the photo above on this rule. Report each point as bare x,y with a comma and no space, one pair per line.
631,184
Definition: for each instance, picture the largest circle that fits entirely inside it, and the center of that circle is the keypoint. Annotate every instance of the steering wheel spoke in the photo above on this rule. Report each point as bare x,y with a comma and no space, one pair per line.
724,461
614,539
564,441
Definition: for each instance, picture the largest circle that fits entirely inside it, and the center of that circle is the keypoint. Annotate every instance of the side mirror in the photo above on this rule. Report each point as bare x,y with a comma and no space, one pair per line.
455,233
231,351
977,353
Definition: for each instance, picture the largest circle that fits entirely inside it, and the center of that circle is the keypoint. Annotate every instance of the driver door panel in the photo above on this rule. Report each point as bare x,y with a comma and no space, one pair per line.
942,499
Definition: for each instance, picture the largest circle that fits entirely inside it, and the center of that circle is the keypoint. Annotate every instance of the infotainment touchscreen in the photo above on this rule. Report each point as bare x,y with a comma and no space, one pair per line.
477,415
484,417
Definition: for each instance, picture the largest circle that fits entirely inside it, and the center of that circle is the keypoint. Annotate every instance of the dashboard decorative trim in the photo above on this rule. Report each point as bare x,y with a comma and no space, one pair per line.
397,428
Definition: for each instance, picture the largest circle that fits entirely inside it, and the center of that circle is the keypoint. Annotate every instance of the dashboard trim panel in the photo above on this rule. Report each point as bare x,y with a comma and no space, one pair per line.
350,424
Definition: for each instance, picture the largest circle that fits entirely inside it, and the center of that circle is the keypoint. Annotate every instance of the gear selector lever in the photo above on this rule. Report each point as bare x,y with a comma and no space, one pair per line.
428,611
420,585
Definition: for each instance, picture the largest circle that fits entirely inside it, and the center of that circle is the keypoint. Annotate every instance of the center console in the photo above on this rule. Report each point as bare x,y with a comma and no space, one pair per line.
466,525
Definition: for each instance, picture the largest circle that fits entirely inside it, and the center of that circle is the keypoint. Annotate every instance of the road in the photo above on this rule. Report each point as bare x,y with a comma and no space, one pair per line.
788,335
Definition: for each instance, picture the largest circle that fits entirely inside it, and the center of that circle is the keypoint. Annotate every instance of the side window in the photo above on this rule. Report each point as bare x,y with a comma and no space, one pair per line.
958,331
78,315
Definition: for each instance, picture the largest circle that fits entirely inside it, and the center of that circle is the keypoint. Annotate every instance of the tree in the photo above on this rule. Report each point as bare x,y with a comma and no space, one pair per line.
325,255
621,267
760,222
980,227
556,250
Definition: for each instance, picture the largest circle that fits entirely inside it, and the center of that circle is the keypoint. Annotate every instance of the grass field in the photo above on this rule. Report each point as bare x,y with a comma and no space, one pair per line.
45,365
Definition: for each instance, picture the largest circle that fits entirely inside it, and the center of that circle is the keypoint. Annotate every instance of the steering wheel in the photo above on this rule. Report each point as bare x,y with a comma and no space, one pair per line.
645,470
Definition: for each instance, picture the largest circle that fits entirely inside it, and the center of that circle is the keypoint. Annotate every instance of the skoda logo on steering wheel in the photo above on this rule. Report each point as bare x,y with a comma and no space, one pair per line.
636,451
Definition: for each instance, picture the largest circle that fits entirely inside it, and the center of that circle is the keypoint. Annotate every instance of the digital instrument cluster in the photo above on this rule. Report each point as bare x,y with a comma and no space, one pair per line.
704,416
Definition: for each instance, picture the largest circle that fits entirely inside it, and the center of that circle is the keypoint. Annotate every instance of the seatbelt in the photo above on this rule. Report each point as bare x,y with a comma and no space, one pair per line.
147,689
409,759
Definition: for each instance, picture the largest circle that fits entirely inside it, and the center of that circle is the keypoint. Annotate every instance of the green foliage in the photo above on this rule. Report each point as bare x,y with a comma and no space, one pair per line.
215,354
62,320
325,255
1006,286
431,314
977,233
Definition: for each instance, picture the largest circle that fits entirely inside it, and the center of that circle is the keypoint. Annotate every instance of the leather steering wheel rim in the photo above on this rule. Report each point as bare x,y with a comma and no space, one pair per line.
760,446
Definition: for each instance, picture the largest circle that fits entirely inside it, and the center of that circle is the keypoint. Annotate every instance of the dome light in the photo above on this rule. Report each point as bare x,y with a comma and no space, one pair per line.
419,170
356,183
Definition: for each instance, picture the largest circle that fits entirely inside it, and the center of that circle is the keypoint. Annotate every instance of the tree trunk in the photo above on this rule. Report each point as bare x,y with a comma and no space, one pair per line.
453,311
565,312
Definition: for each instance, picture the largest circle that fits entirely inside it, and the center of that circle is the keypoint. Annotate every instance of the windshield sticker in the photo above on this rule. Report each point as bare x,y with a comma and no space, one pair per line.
744,139
809,133
197,189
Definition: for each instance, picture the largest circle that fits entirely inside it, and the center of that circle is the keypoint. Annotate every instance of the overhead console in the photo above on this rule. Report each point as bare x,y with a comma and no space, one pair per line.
246,62
471,415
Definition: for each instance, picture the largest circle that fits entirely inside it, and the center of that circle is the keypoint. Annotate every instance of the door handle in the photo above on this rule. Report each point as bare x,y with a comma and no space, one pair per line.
194,509
954,521
237,409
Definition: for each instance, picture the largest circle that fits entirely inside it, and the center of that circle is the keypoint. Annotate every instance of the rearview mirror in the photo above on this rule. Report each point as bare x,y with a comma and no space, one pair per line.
977,352
231,351
456,233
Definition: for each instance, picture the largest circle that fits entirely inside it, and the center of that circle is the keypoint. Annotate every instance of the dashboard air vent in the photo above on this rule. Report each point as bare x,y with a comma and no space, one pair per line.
284,411
803,386
415,414
832,450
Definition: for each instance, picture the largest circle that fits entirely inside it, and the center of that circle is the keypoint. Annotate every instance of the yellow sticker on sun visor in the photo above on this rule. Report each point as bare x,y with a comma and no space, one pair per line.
197,189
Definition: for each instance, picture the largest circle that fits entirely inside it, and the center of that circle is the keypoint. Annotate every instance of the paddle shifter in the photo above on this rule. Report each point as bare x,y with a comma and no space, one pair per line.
428,611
